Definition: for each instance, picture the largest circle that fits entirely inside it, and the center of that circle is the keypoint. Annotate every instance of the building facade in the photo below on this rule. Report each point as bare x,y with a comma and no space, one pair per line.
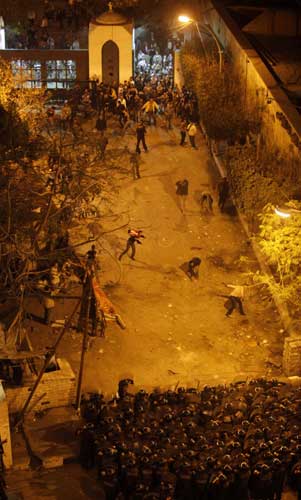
52,69
109,56
111,48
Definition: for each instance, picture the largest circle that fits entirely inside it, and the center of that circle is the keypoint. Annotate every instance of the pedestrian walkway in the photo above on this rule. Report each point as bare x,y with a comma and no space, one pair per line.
177,331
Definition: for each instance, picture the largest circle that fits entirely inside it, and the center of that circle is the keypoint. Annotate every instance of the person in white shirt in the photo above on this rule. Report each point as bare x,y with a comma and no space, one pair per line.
191,129
234,300
123,101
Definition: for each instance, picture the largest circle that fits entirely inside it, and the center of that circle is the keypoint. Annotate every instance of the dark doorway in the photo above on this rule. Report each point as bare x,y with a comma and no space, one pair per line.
110,63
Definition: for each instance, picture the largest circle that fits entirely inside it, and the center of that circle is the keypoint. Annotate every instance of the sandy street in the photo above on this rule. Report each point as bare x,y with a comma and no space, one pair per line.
177,331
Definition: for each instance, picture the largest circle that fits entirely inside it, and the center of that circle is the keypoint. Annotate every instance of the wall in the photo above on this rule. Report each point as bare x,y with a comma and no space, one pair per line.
5,430
276,22
122,36
79,56
56,389
258,81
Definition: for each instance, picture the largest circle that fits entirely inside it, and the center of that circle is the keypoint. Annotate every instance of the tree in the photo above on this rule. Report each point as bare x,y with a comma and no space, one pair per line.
44,194
279,240
219,96
22,109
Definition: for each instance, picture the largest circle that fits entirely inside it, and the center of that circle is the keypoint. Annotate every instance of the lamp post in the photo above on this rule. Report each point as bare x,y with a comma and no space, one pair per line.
205,28
286,212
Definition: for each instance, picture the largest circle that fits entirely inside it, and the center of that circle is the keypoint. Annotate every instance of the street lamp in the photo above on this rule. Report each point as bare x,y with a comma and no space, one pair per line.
282,213
205,28
286,212
184,19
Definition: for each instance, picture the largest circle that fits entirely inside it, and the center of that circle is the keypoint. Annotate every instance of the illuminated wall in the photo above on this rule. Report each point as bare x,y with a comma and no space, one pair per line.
122,36
2,39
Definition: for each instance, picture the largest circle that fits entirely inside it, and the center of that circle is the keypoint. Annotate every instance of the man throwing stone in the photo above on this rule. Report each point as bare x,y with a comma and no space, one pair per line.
134,237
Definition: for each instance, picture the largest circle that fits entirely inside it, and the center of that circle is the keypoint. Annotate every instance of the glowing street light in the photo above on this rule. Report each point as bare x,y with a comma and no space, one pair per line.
185,19
282,213
206,28
286,212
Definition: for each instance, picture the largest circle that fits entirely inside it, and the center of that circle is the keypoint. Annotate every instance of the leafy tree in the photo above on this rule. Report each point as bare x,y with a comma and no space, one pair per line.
219,96
22,109
257,180
252,182
38,213
279,241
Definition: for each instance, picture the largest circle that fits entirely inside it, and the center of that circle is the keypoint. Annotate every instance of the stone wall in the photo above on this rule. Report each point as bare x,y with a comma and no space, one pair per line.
56,389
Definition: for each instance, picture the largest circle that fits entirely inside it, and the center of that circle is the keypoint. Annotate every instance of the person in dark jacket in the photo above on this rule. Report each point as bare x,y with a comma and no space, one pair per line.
123,386
296,478
101,123
279,476
103,142
193,268
135,166
3,495
206,202
241,482
87,447
91,254
183,131
223,189
182,192
140,134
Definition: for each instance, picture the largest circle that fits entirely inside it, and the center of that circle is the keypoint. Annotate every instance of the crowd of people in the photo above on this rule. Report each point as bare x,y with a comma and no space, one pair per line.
46,28
133,101
141,98
154,54
139,102
236,442
150,61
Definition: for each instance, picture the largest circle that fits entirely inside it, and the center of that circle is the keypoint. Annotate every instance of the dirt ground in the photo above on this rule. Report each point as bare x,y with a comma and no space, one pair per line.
70,481
176,329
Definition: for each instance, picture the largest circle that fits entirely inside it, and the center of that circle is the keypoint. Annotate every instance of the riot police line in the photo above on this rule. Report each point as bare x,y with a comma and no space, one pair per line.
241,441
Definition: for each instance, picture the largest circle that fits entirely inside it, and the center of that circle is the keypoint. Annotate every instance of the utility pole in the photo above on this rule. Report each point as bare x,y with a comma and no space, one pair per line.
87,291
